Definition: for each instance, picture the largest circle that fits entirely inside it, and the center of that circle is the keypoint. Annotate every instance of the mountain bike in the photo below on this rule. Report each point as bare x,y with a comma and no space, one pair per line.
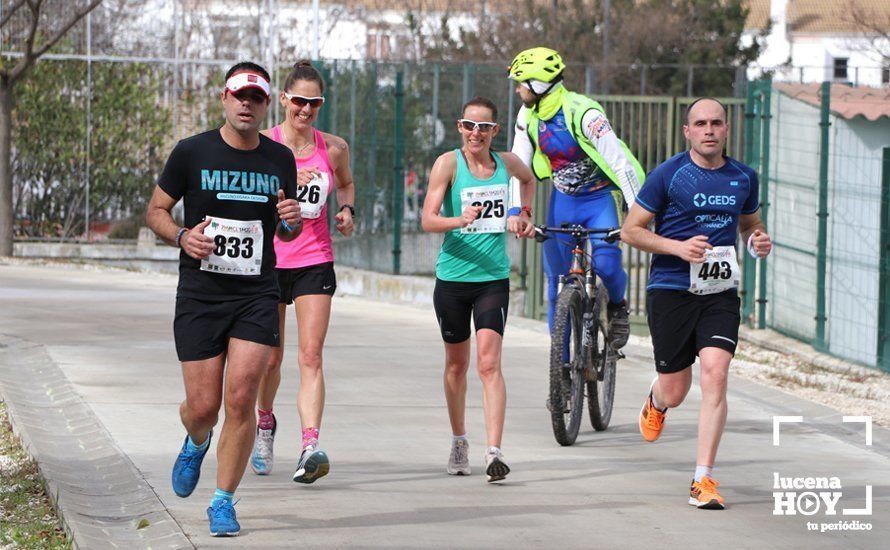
581,353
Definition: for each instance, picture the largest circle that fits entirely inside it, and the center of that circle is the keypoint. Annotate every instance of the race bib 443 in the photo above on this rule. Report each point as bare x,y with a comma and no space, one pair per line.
237,247
719,271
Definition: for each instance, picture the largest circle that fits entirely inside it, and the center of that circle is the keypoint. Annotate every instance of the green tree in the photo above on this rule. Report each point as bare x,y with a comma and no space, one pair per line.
41,33
642,33
128,135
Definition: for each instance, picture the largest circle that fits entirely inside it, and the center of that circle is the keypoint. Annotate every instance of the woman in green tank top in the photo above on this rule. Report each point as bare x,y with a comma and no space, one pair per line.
469,198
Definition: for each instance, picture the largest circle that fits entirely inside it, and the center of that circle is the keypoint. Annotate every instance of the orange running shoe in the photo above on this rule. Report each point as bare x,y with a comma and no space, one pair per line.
651,419
703,494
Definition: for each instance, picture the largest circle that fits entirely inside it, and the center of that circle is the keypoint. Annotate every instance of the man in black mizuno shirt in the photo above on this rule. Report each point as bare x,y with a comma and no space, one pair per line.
238,189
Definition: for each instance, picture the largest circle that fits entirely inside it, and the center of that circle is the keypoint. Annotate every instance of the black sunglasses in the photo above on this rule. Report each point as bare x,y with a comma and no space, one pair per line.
250,94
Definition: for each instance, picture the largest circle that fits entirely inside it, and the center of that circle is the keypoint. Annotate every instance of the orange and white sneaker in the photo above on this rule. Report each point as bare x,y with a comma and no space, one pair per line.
651,419
703,494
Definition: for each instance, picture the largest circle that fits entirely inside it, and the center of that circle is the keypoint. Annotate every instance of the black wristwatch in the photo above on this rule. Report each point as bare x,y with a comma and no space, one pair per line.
351,209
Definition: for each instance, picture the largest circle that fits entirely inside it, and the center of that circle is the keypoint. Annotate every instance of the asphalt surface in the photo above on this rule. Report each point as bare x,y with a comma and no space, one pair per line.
88,366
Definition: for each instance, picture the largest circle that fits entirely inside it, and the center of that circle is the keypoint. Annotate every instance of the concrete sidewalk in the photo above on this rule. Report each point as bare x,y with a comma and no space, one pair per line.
109,335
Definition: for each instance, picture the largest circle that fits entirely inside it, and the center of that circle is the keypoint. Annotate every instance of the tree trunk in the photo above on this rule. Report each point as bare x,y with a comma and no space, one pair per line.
6,211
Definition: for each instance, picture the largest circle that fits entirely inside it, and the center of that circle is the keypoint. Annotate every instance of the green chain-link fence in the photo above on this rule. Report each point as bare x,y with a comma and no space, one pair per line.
824,188
367,100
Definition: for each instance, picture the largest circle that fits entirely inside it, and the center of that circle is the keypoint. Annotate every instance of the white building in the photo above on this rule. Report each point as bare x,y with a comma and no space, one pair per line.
822,40
283,30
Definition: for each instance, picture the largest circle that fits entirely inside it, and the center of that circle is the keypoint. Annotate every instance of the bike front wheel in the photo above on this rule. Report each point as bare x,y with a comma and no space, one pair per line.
601,384
566,400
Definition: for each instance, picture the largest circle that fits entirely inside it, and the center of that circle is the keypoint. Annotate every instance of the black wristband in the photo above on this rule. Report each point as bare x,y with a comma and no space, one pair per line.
179,235
351,209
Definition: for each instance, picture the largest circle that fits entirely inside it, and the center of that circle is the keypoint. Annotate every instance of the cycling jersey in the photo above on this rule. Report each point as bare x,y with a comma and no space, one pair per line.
581,123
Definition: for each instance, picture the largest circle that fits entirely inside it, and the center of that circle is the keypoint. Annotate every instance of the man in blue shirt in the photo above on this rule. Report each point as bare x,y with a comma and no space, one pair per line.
700,201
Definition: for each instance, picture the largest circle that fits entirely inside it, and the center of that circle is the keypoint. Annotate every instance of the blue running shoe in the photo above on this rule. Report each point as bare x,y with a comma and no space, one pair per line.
262,459
314,464
187,469
222,519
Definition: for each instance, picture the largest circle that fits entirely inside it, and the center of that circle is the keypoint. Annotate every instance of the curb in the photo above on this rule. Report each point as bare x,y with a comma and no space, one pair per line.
99,494
777,342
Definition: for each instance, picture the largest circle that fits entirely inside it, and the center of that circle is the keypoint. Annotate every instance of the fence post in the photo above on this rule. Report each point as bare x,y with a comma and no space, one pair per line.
466,91
589,79
767,84
534,295
398,181
374,187
884,274
751,143
822,241
333,89
324,117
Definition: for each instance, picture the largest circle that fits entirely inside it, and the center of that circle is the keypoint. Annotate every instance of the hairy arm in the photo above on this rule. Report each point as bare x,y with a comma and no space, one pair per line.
753,232
636,233
159,218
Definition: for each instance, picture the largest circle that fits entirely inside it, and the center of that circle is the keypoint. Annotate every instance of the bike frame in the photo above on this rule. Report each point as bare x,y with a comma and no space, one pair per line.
583,274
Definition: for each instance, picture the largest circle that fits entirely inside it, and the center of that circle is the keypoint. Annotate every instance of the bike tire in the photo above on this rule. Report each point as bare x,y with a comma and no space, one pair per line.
601,393
567,384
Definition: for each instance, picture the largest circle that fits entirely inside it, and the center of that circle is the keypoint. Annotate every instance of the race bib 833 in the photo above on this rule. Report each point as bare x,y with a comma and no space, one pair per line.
237,247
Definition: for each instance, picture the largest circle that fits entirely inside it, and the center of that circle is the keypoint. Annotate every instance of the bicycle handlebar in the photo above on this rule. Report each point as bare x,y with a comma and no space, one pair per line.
612,234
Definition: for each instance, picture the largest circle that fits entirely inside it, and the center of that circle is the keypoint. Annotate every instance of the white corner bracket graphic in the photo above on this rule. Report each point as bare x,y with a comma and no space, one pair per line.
861,511
864,420
778,420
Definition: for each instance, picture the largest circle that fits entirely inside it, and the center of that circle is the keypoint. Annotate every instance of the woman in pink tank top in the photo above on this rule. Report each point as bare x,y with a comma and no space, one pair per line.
305,267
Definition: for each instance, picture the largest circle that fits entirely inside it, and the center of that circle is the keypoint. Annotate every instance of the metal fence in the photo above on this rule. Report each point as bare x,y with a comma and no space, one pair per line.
825,187
652,127
397,118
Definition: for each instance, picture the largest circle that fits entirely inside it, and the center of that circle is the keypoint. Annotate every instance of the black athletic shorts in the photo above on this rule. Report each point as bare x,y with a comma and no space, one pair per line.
682,323
302,281
455,301
202,329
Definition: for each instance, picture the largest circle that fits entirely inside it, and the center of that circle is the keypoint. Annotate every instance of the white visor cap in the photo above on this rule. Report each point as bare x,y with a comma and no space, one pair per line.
243,81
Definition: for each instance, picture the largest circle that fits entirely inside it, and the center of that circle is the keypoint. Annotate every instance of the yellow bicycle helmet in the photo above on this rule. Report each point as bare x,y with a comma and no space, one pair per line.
538,63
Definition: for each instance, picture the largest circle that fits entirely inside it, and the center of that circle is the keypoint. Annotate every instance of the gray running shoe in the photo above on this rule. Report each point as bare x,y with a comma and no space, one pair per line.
261,459
313,464
495,467
459,461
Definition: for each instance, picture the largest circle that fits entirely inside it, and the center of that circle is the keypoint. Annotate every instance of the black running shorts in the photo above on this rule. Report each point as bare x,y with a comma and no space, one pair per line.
682,323
202,329
302,281
455,301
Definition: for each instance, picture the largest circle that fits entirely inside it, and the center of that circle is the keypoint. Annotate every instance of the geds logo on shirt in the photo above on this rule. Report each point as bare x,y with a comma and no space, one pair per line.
700,199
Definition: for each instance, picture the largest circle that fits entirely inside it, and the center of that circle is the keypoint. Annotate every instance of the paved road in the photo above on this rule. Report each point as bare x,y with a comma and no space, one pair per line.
386,430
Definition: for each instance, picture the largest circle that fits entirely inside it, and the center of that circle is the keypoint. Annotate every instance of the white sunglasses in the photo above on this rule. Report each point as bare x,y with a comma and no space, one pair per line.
470,125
